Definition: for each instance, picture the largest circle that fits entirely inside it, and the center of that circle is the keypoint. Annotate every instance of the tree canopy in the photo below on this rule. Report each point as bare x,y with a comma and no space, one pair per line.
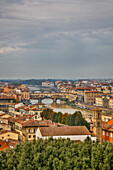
58,154
75,119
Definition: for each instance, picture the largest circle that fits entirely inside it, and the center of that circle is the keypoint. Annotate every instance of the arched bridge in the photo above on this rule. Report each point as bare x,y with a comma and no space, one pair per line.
41,96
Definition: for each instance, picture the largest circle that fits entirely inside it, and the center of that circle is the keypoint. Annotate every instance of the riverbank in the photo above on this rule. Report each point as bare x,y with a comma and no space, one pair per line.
76,106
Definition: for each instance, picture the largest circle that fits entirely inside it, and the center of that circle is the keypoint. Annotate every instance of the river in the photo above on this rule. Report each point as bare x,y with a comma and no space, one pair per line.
64,108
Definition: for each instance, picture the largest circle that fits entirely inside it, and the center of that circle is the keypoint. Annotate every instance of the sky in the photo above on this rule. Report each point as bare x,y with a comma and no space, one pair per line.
59,39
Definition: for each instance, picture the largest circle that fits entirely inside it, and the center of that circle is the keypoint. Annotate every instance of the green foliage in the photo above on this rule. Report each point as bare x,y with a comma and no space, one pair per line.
58,154
75,119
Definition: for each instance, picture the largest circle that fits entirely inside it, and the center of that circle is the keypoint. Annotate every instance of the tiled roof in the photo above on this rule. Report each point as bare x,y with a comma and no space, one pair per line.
97,109
6,131
34,123
110,122
4,145
8,144
93,92
12,119
6,97
65,130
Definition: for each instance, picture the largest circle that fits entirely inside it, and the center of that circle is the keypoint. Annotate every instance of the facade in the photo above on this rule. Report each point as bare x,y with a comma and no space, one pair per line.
90,96
5,101
102,101
25,94
27,129
106,117
107,131
97,123
98,101
4,135
111,102
48,84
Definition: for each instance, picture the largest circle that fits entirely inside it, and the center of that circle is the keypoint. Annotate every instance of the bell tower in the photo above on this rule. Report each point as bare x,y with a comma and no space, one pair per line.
97,123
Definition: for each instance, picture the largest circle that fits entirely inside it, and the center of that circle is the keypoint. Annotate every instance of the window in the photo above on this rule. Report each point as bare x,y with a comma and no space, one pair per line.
98,124
106,133
8,135
2,137
35,117
111,134
94,124
103,140
34,130
98,115
103,132
34,136
29,136
29,130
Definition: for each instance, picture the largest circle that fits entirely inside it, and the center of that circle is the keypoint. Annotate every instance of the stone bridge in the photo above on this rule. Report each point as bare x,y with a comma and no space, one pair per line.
41,96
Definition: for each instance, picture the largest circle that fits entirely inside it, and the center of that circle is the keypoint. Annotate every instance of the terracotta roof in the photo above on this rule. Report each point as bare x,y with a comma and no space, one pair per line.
8,144
106,127
93,92
4,124
6,97
20,121
12,119
97,109
110,122
4,145
36,123
2,114
6,131
85,88
65,130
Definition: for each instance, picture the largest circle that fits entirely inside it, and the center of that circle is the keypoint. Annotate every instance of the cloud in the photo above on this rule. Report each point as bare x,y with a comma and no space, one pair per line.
7,50
77,35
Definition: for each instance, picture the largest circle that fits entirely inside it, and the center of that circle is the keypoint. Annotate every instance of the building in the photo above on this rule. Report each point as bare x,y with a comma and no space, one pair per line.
25,94
102,126
5,101
48,84
90,96
8,144
111,102
97,123
107,131
27,128
72,132
102,101
106,117
4,135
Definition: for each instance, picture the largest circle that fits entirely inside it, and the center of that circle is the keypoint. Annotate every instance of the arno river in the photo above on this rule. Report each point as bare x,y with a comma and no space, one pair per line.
62,107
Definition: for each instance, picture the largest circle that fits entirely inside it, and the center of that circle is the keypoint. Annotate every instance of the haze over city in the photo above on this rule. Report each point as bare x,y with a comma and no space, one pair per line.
67,39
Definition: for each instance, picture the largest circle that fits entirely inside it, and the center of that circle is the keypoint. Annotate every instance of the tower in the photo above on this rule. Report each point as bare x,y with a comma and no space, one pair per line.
97,123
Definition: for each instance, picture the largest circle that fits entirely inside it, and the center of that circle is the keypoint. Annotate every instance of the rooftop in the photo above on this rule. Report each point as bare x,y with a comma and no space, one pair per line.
64,130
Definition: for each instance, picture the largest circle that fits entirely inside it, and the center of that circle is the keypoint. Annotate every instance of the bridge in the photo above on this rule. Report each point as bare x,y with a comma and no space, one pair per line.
41,96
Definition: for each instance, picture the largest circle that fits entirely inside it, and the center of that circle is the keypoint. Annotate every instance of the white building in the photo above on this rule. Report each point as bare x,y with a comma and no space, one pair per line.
48,84
77,133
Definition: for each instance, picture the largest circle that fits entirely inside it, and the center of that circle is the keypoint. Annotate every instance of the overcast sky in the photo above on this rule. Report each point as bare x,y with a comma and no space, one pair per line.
67,39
